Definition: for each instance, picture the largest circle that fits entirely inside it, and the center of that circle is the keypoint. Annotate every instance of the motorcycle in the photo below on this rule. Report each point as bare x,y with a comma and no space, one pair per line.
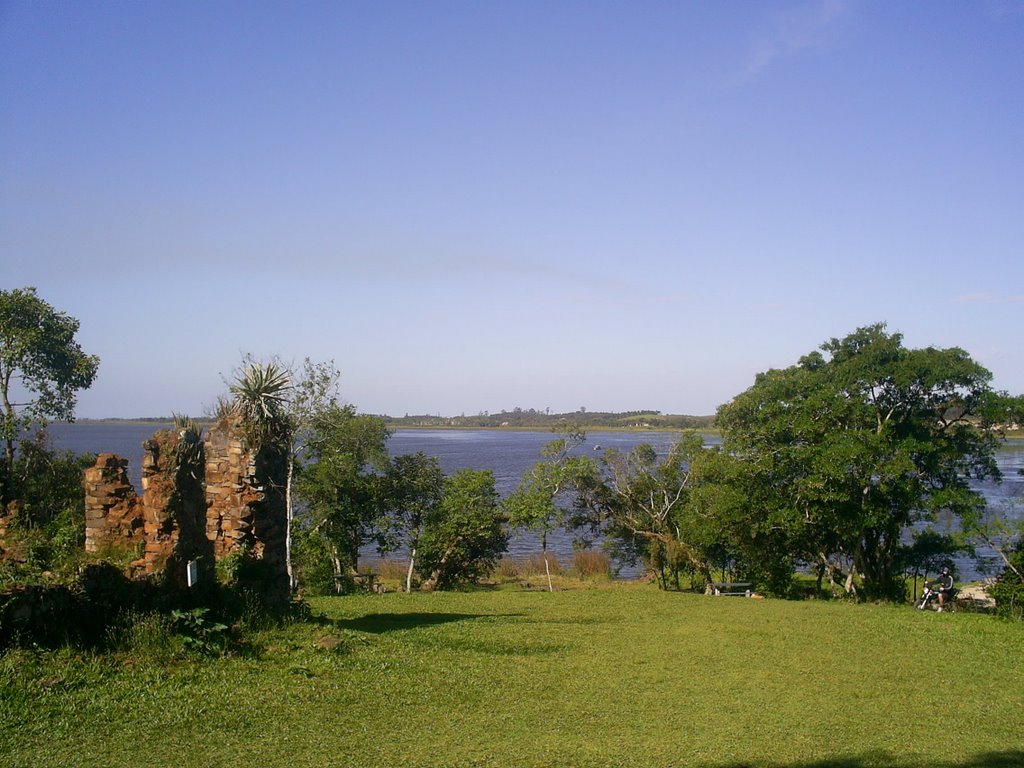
930,598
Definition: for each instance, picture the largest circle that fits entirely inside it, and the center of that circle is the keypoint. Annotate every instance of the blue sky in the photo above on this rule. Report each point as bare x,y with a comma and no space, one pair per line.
473,206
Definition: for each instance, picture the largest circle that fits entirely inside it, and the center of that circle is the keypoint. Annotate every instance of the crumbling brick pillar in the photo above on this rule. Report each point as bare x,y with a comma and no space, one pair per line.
113,512
229,498
246,506
175,507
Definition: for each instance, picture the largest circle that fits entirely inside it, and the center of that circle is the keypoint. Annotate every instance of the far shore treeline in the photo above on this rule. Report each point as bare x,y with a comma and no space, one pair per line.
517,418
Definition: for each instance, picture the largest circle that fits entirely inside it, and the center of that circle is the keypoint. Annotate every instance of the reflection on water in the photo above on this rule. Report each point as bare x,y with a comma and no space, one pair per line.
510,454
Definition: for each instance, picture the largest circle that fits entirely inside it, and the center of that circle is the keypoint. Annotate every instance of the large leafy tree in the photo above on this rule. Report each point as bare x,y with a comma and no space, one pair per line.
412,491
860,440
42,368
662,511
540,502
340,484
316,387
464,535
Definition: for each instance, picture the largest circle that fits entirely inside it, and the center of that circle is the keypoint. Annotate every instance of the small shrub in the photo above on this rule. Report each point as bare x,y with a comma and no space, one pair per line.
507,568
199,632
390,570
311,563
534,564
531,566
249,612
1008,590
231,568
119,556
591,564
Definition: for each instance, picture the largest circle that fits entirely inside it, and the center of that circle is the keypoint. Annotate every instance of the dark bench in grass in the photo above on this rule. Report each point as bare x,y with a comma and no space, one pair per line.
733,588
364,580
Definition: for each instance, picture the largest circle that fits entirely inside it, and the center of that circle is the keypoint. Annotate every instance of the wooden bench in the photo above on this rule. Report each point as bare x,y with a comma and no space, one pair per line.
732,588
365,580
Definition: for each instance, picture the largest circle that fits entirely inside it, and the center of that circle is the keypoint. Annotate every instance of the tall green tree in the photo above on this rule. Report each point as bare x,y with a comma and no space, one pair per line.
413,489
315,388
464,536
655,509
340,484
539,502
860,440
42,368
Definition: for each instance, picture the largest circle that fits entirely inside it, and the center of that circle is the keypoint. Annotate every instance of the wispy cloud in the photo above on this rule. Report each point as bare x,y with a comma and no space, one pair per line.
791,32
1001,10
989,298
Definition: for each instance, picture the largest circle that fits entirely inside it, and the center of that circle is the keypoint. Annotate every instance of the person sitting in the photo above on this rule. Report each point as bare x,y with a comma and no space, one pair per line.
943,584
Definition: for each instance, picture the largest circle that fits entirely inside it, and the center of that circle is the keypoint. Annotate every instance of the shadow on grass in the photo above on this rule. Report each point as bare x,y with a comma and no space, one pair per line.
379,623
1003,759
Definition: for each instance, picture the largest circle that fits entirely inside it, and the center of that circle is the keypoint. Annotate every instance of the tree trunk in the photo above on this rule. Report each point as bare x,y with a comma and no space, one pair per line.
544,549
1000,549
850,588
353,549
7,476
336,562
412,564
705,573
288,526
435,577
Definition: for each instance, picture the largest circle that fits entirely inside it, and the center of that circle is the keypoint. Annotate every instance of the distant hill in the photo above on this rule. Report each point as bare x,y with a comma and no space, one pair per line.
520,418
517,418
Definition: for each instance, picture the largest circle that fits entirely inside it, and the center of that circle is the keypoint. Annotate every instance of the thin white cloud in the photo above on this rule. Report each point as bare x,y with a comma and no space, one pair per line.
792,32
989,298
1002,10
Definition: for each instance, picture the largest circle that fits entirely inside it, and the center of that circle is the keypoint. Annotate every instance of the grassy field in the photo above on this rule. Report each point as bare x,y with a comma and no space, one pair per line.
617,676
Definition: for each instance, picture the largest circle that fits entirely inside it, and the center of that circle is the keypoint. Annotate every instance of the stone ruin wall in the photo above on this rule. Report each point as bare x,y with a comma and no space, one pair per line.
175,510
246,508
114,515
231,493
225,505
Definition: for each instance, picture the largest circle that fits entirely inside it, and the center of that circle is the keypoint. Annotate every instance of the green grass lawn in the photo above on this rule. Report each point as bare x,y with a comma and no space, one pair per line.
620,676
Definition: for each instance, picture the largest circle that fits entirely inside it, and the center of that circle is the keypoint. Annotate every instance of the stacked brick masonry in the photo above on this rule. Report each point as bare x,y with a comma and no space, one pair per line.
232,499
231,493
113,512
174,505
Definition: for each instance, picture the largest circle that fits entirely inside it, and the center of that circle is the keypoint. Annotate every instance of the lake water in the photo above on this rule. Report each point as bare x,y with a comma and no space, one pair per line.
509,455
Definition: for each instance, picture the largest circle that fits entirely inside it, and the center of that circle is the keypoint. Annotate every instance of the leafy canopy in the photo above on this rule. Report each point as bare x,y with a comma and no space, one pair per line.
655,509
42,368
859,441
339,484
464,535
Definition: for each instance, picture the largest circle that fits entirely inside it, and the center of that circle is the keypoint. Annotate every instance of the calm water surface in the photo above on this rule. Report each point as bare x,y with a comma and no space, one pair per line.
509,455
